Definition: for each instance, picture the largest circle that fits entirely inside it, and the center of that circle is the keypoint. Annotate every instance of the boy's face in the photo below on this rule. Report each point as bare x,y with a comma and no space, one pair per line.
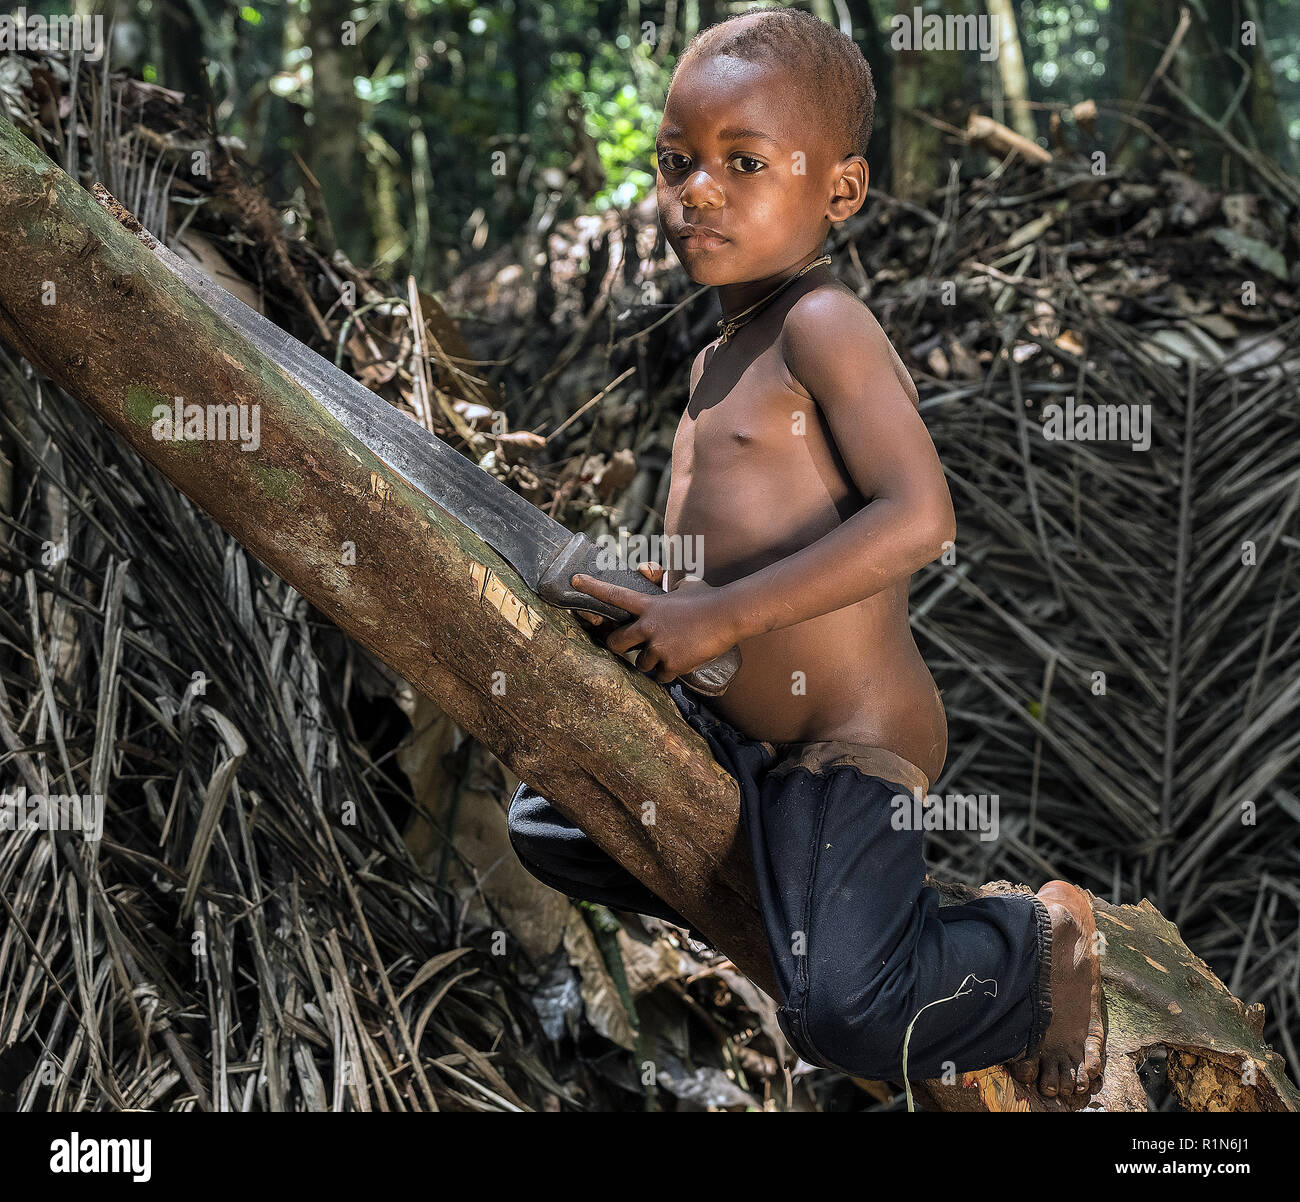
743,154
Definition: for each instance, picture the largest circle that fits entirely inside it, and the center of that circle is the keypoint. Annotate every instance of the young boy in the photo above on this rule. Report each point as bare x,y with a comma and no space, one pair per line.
805,468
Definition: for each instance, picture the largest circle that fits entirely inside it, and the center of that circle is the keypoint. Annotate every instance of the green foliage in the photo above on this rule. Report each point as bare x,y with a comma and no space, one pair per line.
1066,45
463,120
620,116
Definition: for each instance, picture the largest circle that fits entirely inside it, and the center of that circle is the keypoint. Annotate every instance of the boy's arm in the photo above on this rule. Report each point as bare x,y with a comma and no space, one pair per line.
697,369
837,352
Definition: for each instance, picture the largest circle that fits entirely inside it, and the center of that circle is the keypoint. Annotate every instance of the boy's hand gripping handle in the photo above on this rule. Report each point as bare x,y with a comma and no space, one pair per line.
580,556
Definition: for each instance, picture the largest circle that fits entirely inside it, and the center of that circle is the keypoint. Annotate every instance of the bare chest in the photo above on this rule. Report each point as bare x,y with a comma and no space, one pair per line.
747,415
755,471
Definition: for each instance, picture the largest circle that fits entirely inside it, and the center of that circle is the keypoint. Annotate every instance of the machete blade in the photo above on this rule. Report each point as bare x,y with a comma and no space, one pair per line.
540,549
512,526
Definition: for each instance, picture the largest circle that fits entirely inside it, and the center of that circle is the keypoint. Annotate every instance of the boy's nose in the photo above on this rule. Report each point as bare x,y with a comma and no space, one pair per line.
700,190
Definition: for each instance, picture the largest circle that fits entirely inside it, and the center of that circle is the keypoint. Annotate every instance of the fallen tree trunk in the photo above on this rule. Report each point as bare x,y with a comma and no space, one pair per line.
90,306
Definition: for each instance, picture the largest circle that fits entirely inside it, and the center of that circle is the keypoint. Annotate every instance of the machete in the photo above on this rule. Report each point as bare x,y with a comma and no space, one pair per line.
545,553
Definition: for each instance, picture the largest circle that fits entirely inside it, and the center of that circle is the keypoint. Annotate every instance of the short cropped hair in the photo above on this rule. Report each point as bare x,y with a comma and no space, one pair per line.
826,63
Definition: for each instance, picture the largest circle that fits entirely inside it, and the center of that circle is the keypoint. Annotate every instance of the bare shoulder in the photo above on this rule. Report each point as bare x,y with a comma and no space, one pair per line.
701,362
697,368
831,325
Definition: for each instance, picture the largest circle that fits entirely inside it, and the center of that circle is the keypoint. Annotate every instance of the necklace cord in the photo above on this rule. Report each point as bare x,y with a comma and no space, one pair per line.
729,325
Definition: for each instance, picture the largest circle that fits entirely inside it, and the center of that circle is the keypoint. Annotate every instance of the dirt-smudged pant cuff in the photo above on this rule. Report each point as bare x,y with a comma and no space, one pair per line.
1040,992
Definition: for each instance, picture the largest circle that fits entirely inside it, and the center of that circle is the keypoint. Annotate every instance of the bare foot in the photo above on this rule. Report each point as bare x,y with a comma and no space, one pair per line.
1069,1064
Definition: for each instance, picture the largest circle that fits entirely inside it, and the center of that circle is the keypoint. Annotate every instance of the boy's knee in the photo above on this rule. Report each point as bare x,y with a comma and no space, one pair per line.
514,816
863,1041
550,847
530,826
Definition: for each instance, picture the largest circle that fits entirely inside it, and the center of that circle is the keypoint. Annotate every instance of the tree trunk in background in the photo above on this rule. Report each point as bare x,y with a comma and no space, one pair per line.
266,124
930,82
335,151
1266,116
180,46
1207,73
1011,68
825,10
438,606
1142,29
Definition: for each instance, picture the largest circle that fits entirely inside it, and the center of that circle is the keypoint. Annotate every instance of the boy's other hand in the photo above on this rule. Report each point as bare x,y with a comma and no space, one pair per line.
675,631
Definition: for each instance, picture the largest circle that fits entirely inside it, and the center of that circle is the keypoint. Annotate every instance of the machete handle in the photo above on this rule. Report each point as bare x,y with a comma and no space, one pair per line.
581,556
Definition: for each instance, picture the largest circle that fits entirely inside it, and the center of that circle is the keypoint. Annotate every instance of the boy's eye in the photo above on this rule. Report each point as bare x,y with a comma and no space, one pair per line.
665,161
750,165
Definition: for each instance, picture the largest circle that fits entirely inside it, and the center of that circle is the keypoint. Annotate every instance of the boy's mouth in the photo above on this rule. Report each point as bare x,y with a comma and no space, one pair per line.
700,237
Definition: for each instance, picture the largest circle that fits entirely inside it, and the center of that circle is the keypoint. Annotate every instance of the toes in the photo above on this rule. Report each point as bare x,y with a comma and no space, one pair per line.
1049,1077
1093,1064
1024,1071
1080,1100
1085,1096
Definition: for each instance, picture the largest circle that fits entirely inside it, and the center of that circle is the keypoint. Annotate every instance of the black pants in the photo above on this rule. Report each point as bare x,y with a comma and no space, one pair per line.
865,958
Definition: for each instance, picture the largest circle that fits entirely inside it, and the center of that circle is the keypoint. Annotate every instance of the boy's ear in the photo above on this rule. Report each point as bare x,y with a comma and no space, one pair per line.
851,177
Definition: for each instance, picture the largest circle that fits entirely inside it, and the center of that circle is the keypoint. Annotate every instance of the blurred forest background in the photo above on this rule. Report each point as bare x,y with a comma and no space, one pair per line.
455,203
448,125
